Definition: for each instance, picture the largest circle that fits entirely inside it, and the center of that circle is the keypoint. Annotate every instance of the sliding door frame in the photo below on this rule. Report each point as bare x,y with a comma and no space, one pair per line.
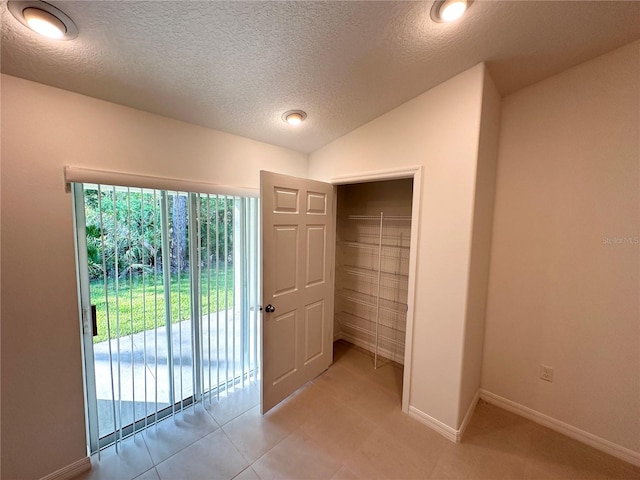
244,296
84,304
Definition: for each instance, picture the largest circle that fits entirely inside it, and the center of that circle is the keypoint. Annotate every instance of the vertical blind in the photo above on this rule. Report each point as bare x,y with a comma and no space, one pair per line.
174,280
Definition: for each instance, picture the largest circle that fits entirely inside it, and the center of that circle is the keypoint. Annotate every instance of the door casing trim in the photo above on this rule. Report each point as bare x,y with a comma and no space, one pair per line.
414,172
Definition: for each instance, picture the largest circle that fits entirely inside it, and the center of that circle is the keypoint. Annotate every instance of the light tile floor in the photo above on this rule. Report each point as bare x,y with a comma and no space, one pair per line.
347,424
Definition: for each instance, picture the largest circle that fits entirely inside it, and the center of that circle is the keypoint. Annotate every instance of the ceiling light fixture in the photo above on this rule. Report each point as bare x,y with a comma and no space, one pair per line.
44,19
294,117
448,10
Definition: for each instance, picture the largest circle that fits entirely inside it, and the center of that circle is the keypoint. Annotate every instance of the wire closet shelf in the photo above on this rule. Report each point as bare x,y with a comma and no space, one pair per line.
372,285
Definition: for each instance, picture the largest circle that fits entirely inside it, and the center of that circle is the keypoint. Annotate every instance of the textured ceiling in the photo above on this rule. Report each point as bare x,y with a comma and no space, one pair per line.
237,66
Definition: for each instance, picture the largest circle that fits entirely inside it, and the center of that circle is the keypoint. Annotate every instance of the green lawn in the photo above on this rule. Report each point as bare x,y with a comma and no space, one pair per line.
140,305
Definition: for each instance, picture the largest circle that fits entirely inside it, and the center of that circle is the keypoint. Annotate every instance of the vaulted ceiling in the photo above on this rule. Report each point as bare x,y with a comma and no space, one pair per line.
237,66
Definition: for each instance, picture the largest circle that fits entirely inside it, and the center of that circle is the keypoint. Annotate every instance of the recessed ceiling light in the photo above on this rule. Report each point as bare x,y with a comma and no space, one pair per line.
44,19
294,117
44,23
448,10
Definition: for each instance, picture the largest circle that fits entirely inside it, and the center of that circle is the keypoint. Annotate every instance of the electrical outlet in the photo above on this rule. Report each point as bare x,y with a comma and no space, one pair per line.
546,373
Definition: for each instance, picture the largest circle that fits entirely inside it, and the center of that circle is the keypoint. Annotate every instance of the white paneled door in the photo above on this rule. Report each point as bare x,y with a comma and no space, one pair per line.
298,237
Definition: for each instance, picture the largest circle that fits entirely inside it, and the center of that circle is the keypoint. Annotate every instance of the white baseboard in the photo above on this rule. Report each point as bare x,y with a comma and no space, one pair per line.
443,429
382,352
590,439
468,415
70,471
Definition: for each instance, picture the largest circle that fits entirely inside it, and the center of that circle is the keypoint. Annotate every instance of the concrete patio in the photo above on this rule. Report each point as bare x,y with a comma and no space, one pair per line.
139,367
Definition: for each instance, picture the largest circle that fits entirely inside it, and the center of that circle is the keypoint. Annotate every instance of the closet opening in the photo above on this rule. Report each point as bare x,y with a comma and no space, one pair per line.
373,246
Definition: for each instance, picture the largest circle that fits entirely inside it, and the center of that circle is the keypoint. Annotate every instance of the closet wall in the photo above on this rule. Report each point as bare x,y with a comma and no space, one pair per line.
372,265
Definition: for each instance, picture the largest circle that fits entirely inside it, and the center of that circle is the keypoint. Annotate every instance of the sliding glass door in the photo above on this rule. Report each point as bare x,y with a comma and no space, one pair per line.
169,299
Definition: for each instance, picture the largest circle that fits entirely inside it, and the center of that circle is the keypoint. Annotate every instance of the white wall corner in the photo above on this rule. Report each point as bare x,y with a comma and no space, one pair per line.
587,438
450,433
70,471
443,429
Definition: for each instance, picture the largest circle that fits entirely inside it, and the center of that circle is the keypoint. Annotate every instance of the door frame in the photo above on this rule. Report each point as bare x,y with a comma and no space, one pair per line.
415,173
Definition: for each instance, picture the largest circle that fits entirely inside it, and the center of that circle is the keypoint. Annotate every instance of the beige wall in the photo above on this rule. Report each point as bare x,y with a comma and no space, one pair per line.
438,130
480,247
565,281
43,129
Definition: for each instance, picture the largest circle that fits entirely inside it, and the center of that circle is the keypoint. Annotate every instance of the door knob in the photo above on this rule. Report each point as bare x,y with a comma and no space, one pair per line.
269,308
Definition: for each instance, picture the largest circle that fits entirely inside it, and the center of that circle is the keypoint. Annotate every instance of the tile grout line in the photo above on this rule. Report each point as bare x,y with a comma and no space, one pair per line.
183,448
266,451
232,418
